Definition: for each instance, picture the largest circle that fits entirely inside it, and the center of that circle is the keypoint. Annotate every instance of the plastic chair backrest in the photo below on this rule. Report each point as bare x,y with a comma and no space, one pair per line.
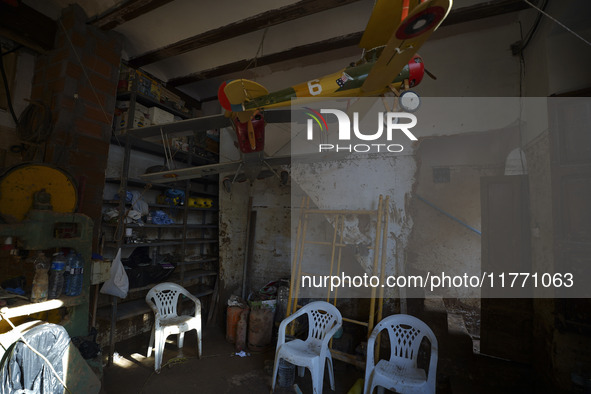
406,333
322,317
164,297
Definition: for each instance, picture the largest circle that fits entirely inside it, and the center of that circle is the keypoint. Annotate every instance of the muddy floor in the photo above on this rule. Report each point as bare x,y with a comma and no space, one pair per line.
219,370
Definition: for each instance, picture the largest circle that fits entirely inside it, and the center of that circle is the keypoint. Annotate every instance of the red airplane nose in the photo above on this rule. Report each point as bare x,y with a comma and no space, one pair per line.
416,70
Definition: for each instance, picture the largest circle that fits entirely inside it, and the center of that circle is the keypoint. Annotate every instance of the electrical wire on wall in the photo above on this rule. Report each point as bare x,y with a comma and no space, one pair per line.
518,49
534,28
259,53
521,82
33,126
543,12
6,88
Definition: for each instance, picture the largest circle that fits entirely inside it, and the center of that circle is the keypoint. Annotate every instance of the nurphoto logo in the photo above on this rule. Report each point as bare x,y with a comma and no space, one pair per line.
390,121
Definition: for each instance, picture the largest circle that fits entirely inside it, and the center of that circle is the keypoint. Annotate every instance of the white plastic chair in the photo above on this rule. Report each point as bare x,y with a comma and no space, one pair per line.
400,373
324,320
163,299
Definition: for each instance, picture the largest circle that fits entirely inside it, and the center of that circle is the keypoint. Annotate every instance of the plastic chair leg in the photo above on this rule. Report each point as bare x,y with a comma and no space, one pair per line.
275,369
151,345
317,378
181,340
381,390
159,349
199,345
330,372
301,371
367,384
199,331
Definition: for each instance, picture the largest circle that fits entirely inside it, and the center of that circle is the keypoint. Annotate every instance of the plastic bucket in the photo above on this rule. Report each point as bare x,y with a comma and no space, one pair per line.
285,374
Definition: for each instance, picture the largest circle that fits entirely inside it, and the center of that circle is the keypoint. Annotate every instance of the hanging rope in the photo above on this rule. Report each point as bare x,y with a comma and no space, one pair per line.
259,52
557,22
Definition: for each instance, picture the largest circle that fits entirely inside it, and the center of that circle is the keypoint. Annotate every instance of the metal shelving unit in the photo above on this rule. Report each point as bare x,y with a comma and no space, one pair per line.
195,229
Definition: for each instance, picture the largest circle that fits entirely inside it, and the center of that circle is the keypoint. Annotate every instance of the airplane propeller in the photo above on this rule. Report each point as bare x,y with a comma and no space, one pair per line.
430,74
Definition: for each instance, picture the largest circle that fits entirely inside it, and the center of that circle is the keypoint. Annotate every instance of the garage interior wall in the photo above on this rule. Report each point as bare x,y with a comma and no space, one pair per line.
554,62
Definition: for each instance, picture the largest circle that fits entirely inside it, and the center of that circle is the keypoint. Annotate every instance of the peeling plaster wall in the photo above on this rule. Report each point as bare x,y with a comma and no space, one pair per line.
272,239
354,185
271,246
233,210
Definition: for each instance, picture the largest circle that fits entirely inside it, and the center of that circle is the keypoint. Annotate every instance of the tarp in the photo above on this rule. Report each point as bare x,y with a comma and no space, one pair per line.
23,371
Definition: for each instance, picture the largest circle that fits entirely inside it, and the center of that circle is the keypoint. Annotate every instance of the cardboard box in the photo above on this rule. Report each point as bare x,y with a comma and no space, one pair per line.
212,146
126,76
147,86
124,105
99,271
170,96
159,116
139,120
170,99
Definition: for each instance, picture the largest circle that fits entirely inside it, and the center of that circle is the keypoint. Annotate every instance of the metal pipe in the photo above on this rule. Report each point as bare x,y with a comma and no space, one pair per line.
248,247
448,215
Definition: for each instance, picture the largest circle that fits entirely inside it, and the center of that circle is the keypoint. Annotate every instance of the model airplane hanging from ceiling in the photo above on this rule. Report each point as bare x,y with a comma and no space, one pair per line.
389,63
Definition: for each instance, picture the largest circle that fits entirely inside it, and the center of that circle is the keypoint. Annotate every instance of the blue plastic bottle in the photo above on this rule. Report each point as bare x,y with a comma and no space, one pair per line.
76,276
56,276
70,261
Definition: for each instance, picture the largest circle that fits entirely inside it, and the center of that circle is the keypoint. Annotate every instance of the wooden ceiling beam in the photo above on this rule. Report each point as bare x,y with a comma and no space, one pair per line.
461,15
27,26
483,10
292,53
126,12
248,25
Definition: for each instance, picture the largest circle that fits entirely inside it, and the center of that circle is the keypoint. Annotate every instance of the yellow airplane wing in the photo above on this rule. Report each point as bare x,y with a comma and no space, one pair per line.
384,20
404,42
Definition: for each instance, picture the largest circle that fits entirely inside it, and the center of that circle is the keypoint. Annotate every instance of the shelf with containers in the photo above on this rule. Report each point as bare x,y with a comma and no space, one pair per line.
181,238
137,90
46,230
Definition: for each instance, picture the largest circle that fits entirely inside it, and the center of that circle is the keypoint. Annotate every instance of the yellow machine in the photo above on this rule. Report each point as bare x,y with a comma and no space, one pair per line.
38,206
19,184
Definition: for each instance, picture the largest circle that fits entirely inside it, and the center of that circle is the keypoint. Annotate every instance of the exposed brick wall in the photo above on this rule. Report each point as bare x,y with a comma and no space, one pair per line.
79,80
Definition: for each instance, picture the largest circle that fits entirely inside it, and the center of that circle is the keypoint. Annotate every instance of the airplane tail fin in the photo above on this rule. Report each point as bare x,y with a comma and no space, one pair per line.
234,93
232,96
